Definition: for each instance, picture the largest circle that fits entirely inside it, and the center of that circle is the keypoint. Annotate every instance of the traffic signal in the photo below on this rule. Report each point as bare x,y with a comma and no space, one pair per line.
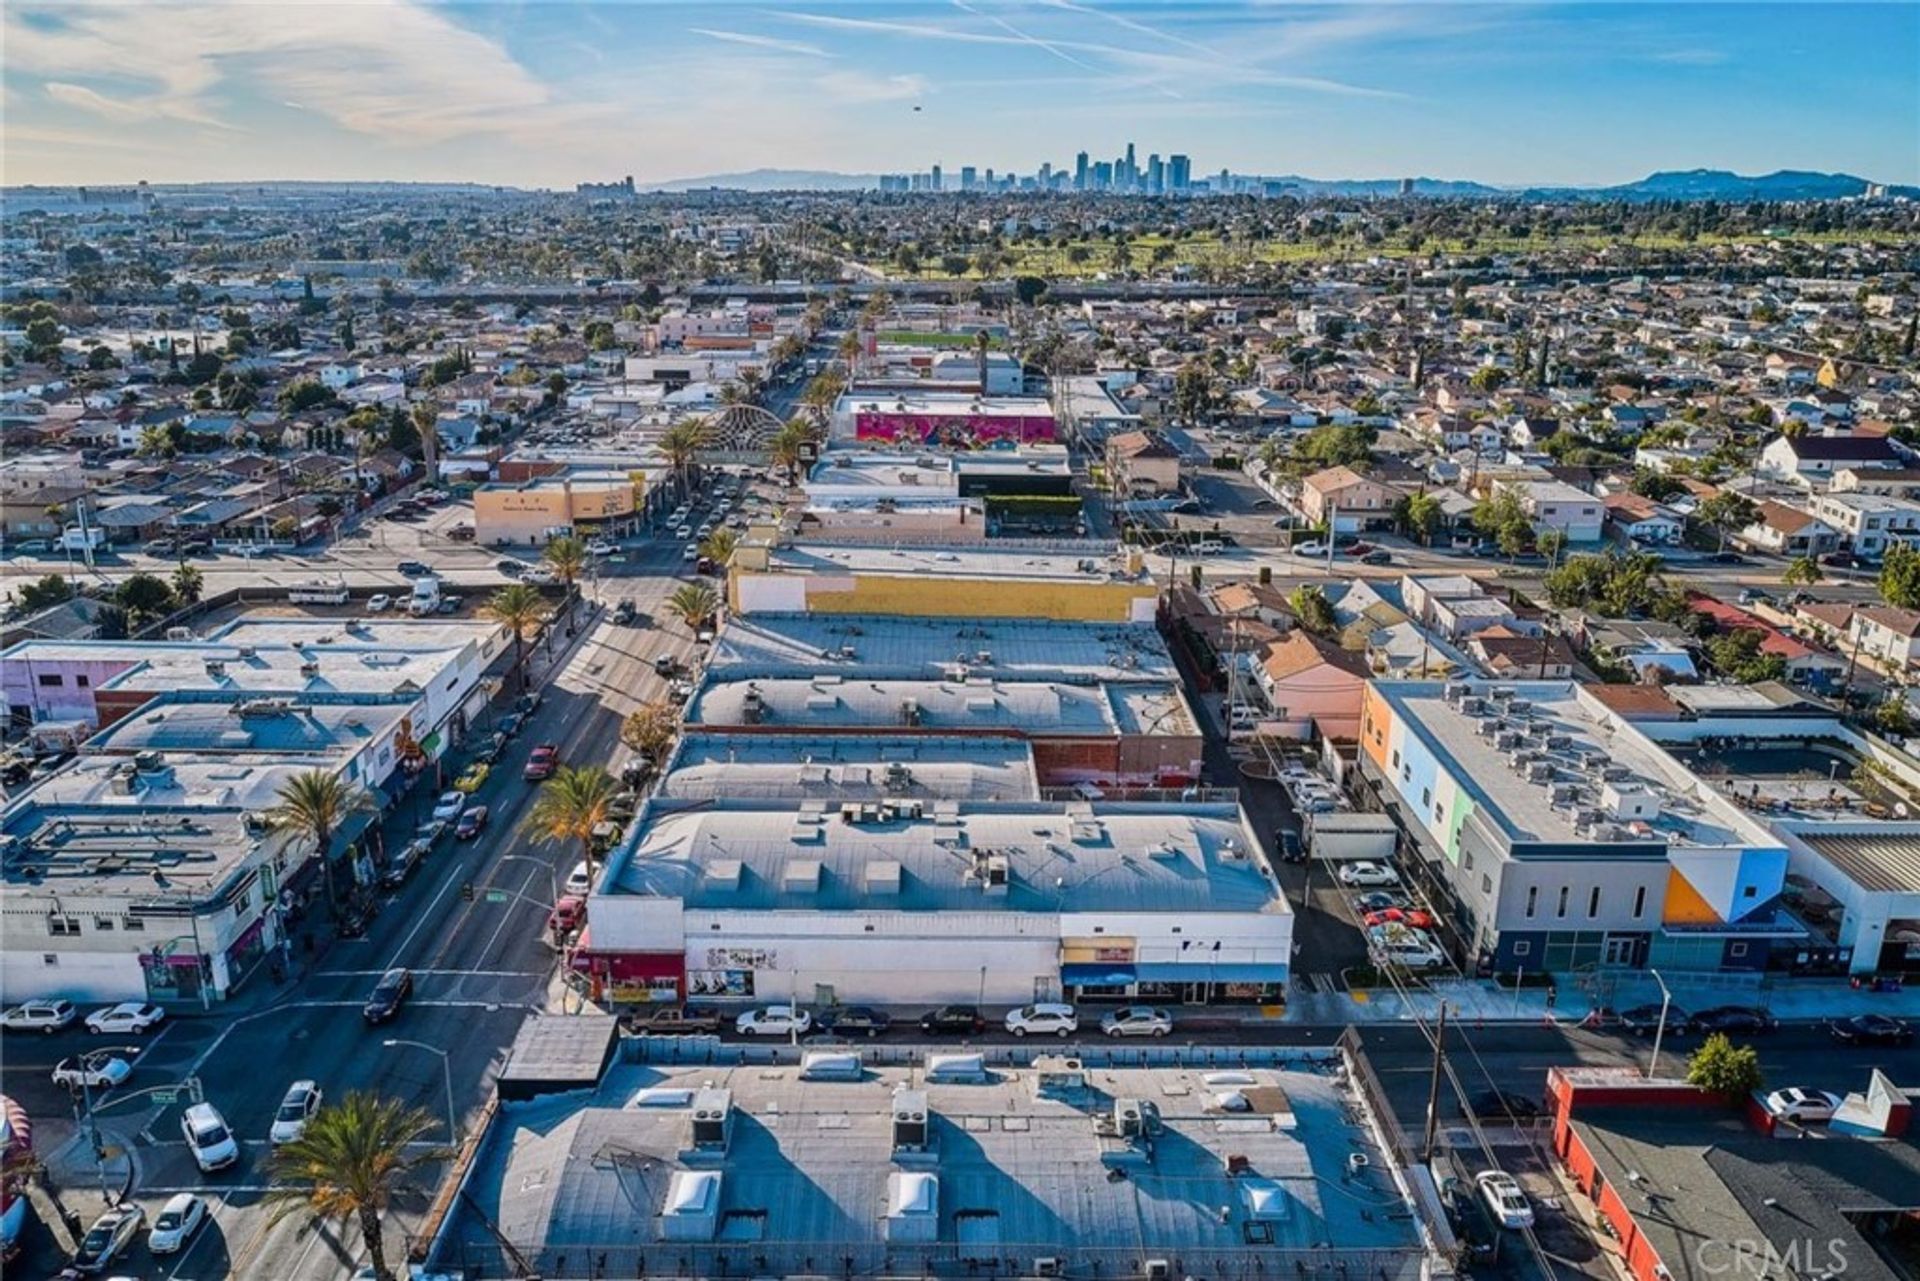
466,890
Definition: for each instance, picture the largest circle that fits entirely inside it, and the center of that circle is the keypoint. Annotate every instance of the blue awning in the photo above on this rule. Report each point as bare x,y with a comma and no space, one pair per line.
1175,972
1104,975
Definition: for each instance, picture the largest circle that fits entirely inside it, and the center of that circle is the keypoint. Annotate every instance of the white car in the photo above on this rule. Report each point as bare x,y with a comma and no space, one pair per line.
685,531
39,1016
1137,1020
1367,874
690,552
579,880
449,807
290,1122
129,1016
1310,548
179,1219
209,1138
601,547
775,1020
1796,1104
1501,1191
92,1072
379,603
1409,948
1046,1018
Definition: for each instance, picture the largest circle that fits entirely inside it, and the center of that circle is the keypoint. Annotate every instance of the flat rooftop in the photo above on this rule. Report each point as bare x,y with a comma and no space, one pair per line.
1584,754
280,726
370,633
796,767
808,1176
950,404
315,673
1057,858
1879,857
846,470
100,825
881,647
833,701
1088,562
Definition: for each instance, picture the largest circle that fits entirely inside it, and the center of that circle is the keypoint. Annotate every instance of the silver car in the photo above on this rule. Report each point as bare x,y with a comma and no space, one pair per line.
1137,1020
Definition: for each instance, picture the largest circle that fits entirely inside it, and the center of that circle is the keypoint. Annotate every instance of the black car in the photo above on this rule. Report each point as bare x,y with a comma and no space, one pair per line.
1741,1020
527,702
953,1020
853,1020
1644,1020
1378,556
395,986
1504,1105
1872,1029
401,867
492,749
1380,901
666,665
624,613
412,569
511,723
1289,842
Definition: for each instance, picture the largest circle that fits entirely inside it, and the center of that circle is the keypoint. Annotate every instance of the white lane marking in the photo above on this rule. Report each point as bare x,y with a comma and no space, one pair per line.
463,974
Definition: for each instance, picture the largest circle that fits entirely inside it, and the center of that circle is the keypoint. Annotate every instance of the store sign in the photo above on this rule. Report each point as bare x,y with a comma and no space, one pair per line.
741,958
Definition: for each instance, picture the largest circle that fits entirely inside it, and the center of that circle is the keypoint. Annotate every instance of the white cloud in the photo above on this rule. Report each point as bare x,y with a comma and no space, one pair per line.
96,103
860,86
763,42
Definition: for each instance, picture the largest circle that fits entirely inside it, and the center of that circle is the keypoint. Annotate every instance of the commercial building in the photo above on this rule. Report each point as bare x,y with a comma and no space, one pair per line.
907,901
1561,837
960,1167
1088,411
534,512
932,420
711,765
1082,581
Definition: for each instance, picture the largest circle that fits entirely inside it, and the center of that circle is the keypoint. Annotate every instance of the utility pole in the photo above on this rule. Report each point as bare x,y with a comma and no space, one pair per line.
1433,1085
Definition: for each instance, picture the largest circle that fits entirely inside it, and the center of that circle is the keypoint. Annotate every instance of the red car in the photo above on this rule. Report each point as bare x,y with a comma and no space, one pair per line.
566,915
542,763
1356,549
473,821
1412,917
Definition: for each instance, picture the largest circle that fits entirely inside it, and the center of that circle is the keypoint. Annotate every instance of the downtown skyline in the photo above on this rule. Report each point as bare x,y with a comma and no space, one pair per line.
555,94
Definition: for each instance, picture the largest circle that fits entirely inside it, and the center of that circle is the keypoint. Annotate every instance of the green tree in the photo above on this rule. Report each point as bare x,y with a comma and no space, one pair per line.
1656,485
650,729
1900,576
313,805
1028,289
1737,656
1720,1067
520,608
304,394
347,1164
144,597
1727,512
1195,392
187,583
680,444
718,546
788,449
1551,543
1311,606
155,442
694,604
1802,571
568,557
571,804
50,590
1503,518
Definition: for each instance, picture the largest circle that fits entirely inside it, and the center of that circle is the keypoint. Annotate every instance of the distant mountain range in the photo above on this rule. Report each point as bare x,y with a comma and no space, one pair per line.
1689,184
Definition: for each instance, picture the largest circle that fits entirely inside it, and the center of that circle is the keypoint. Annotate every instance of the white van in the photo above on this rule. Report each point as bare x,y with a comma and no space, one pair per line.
209,1138
426,597
1209,547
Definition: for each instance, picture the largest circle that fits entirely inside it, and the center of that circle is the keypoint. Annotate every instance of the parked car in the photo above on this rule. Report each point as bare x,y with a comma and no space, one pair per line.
91,1072
541,764
1501,1191
1398,945
773,1020
1411,917
625,612
1312,547
39,1016
379,603
1738,1020
183,1215
509,568
1380,901
580,879
1137,1020
1288,842
296,1109
1366,873
1796,1104
1378,556
601,547
1044,1018
953,1020
1644,1020
401,866
566,915
107,1239
472,823
430,832
1872,1029
510,724
448,807
473,778
412,569
209,1138
389,994
128,1016
675,1020
853,1020
1504,1105
1470,1219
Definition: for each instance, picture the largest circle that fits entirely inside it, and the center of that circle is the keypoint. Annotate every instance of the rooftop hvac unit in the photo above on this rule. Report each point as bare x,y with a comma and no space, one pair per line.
1503,694
712,1119
1559,742
247,651
309,669
898,776
216,668
1520,706
1616,773
1047,1265
1565,793
1456,690
912,1121
1586,818
1129,1118
1156,1270
1507,739
1539,771
1473,705
753,708
1488,727
909,711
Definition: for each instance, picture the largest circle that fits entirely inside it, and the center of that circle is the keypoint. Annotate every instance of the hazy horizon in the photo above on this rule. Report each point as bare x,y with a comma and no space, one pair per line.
547,95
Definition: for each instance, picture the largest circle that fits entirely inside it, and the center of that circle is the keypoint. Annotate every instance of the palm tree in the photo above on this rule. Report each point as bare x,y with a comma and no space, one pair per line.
520,608
187,582
788,449
1802,571
426,421
681,444
571,804
694,604
348,1163
568,556
314,804
719,545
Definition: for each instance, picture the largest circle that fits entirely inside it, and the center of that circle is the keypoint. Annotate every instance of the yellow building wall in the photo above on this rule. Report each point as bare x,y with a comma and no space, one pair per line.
972,598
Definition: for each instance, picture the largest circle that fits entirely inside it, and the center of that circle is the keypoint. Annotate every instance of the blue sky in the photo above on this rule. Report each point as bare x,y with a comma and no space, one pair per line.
547,94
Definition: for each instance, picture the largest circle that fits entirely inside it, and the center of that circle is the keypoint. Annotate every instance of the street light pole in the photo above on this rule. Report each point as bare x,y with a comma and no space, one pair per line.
446,1069
553,877
1660,1032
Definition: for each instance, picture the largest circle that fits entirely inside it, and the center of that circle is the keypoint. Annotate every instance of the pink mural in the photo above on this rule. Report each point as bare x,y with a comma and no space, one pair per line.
954,431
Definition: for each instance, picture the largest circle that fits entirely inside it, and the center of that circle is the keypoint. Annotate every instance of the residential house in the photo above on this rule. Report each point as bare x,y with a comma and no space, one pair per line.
1556,505
1787,531
1313,685
1345,501
1869,522
1142,463
1506,654
1634,519
1888,634
1812,460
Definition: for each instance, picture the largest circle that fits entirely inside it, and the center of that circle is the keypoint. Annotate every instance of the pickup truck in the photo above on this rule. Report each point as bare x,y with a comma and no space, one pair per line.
674,1020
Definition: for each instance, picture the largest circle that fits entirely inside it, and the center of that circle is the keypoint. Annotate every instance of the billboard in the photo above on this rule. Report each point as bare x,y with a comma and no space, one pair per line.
953,431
